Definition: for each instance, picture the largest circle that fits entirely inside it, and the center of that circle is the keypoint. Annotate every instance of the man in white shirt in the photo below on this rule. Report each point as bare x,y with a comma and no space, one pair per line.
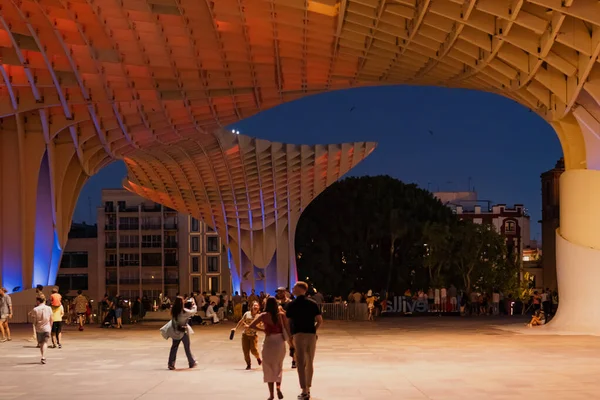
210,313
42,319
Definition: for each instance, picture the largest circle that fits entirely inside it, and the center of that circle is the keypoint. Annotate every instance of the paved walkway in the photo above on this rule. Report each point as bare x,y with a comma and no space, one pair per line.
400,358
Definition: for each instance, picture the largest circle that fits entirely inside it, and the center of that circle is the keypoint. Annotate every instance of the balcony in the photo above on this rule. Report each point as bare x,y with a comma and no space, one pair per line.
129,281
157,281
128,209
153,245
128,227
171,262
152,208
151,227
110,245
111,281
110,263
170,245
171,227
130,263
129,245
110,227
171,281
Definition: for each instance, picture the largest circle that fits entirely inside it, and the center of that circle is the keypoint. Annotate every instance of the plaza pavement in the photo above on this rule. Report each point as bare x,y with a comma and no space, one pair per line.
397,358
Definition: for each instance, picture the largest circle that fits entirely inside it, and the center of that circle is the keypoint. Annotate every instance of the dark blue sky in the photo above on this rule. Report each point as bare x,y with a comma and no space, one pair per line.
500,144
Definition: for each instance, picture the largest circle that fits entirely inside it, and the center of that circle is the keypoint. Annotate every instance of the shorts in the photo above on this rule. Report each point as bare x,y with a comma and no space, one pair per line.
452,300
118,312
81,314
57,327
42,337
4,318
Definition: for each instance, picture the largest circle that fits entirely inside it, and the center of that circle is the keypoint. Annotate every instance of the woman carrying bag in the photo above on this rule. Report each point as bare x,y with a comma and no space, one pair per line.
179,330
277,332
249,336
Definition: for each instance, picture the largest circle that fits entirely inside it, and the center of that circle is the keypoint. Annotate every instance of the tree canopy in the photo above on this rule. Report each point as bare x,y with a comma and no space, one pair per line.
379,233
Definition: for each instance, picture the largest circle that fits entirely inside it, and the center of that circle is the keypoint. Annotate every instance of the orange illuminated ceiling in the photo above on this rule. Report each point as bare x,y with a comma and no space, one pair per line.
126,78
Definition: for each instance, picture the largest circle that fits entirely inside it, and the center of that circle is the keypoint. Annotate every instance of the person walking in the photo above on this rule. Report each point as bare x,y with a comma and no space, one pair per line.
180,314
42,318
57,316
276,330
305,319
6,313
249,336
80,308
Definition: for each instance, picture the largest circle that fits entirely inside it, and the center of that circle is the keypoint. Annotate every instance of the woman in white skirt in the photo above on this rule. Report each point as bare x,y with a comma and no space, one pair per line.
273,352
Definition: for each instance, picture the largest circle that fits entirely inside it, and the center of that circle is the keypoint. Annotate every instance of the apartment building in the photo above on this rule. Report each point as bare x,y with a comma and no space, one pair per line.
146,249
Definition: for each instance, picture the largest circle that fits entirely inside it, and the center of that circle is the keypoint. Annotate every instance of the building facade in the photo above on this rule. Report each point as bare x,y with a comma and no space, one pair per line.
511,222
78,268
145,249
550,220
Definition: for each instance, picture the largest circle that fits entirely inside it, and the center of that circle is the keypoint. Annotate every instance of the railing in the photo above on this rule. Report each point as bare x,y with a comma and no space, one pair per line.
171,263
110,227
129,281
170,245
171,281
128,227
150,227
171,226
128,209
344,311
129,245
110,245
110,263
150,245
155,207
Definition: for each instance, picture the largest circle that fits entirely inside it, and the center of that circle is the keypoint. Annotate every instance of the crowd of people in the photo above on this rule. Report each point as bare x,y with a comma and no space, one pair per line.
290,318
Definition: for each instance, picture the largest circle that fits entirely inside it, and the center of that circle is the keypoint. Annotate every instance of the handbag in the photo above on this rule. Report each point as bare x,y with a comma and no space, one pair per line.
232,334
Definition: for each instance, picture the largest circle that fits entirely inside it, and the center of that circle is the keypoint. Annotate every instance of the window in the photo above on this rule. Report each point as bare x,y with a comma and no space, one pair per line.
151,241
151,223
129,241
129,223
212,264
195,264
196,284
151,259
212,244
195,244
129,260
111,260
67,283
510,227
121,205
213,284
78,259
195,225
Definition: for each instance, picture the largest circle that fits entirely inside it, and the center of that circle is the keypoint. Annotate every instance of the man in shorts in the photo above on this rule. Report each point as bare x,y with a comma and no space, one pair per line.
6,313
42,318
57,316
81,303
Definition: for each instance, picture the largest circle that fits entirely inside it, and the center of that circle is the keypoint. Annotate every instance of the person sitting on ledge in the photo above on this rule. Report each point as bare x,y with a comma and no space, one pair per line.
210,313
538,318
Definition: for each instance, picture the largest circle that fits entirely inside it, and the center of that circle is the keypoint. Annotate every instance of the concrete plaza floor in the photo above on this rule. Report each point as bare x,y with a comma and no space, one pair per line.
395,358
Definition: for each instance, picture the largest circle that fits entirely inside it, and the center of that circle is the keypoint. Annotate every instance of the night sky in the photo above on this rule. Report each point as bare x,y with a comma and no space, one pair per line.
435,137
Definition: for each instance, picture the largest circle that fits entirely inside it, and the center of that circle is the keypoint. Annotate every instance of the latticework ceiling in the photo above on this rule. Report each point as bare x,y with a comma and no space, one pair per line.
142,79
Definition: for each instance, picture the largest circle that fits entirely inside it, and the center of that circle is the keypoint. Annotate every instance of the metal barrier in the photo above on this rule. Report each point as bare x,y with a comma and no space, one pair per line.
344,311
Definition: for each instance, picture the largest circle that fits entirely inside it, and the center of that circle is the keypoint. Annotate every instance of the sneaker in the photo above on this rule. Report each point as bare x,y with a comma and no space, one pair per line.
2,340
248,367
304,396
9,339
80,328
60,346
53,346
43,361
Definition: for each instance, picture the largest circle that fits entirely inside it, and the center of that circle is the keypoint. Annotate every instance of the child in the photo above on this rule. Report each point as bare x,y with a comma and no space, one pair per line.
55,298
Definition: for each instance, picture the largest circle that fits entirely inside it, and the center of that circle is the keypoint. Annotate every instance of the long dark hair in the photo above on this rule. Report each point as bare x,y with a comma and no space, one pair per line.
272,308
177,307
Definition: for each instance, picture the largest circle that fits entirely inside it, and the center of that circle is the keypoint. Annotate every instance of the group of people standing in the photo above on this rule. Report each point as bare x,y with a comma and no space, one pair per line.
281,319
